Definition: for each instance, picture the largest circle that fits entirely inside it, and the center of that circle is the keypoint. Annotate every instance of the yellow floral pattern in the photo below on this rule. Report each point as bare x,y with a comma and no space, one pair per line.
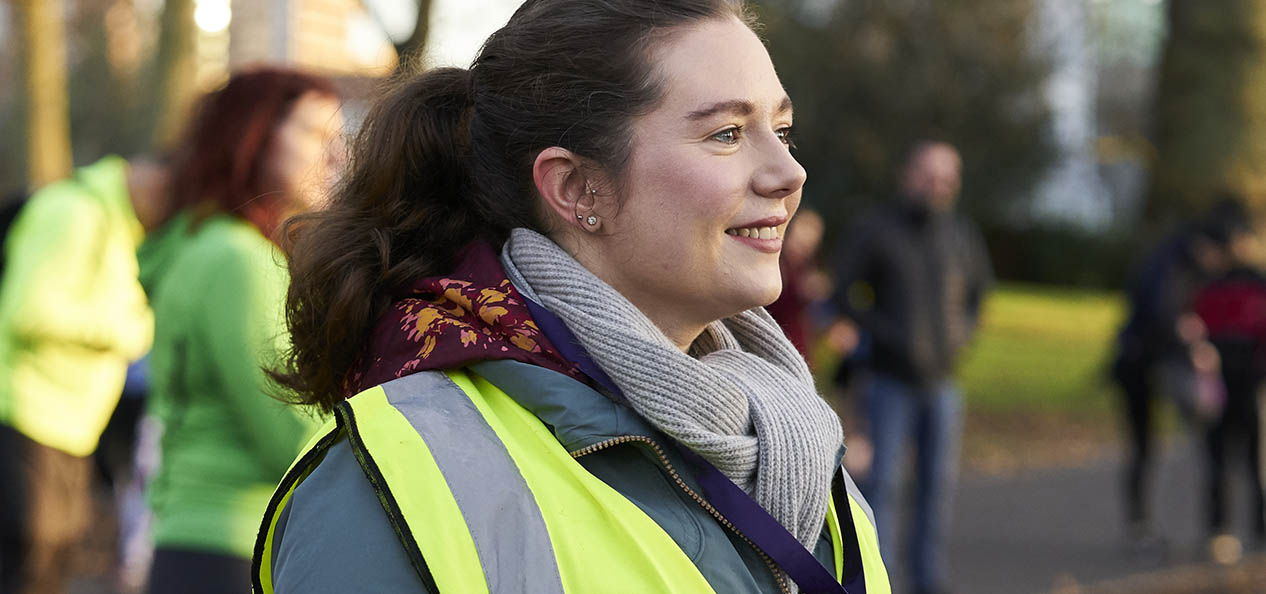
473,315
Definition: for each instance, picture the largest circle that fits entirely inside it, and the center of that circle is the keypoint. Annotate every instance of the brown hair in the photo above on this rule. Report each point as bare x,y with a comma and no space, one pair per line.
446,158
222,158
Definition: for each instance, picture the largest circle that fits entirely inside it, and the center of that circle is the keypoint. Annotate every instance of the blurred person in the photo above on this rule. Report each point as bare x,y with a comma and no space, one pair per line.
135,438
912,278
72,316
535,311
1162,349
1233,309
802,282
263,147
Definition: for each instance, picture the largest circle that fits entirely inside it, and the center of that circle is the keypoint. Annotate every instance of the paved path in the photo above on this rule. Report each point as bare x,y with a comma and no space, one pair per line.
1060,531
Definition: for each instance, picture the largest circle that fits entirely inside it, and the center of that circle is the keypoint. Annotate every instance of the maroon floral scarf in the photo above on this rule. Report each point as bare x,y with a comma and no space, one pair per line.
471,315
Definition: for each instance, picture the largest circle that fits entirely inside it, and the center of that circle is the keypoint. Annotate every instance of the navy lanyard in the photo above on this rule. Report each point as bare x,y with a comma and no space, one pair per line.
752,520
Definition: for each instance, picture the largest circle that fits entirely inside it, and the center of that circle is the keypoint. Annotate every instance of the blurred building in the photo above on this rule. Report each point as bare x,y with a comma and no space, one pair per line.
332,37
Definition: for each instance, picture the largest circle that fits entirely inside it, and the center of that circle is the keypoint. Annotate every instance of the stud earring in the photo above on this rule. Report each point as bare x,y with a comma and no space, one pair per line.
590,220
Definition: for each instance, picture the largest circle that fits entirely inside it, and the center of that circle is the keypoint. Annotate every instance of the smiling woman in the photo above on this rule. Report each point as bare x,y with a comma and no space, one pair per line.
534,309
709,186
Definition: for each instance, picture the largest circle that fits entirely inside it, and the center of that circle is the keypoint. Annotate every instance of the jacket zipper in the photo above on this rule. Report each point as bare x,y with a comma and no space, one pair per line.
672,472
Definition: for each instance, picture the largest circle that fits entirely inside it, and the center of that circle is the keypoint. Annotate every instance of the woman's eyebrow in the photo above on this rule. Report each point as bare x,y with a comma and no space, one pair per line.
738,107
733,106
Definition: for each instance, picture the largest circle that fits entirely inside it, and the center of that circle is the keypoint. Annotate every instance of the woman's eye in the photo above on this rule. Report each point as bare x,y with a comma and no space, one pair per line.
785,135
729,135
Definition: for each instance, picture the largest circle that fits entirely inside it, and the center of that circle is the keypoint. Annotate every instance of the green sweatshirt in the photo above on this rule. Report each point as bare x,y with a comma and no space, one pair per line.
72,313
226,440
157,253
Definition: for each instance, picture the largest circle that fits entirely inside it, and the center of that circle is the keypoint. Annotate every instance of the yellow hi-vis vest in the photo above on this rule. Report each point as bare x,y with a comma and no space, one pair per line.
486,500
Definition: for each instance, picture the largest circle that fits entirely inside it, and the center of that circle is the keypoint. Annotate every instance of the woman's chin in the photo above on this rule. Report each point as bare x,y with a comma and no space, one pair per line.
756,294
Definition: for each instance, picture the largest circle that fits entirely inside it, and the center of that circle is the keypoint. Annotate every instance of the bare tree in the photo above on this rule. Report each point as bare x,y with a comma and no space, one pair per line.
410,50
48,112
176,69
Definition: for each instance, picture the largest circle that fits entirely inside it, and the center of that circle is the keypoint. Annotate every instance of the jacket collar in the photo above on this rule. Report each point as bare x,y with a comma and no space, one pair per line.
579,415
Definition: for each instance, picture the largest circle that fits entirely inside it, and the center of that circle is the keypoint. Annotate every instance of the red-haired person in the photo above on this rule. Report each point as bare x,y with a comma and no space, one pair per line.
265,146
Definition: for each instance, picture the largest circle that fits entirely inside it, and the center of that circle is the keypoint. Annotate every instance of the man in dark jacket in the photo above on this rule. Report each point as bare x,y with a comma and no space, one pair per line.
912,277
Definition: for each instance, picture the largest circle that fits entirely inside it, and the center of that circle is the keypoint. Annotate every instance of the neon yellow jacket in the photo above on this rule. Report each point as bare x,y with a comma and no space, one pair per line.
554,490
72,313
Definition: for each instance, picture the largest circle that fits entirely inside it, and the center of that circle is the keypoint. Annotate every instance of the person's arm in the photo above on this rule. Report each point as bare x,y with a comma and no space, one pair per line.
244,336
51,289
855,286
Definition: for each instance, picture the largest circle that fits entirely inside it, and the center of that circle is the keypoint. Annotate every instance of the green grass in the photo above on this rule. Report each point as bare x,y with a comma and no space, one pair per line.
1043,348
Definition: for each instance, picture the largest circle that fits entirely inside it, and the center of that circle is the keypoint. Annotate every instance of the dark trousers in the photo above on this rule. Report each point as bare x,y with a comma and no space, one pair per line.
180,571
45,502
1133,377
1236,438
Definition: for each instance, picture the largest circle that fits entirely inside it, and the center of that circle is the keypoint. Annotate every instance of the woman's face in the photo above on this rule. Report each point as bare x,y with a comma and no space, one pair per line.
307,151
710,185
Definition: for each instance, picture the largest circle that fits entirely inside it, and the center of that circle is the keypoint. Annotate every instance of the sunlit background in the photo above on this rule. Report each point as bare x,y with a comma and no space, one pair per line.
1087,129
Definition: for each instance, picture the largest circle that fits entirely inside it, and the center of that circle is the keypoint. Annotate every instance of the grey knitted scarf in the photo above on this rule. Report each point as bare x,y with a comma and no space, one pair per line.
742,398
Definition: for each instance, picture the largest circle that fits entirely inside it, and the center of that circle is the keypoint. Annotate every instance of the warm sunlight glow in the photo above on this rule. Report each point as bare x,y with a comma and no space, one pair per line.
212,16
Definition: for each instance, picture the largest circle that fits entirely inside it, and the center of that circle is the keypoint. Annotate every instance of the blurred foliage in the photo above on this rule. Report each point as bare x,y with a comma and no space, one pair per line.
1064,255
110,65
871,76
1210,114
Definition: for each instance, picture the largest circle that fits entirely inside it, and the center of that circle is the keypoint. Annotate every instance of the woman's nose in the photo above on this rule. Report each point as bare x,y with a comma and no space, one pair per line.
779,174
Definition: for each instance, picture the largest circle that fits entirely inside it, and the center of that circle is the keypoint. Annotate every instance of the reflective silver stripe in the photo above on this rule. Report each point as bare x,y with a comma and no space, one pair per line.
500,511
856,494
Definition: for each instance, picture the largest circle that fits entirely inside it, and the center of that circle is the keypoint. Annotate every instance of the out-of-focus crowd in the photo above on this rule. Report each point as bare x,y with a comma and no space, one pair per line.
171,255
1196,336
141,309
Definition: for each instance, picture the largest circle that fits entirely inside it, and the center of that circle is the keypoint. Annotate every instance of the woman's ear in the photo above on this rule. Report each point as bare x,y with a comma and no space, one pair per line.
561,183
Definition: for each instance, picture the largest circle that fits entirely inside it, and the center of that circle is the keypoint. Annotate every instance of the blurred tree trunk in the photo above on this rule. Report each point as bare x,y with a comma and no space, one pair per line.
1210,117
177,70
43,30
410,50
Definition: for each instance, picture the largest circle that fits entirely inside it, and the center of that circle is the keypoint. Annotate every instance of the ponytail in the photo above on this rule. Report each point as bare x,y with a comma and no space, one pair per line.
401,213
446,158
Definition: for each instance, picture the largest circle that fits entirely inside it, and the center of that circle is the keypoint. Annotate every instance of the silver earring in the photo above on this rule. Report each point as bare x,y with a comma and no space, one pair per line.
590,220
